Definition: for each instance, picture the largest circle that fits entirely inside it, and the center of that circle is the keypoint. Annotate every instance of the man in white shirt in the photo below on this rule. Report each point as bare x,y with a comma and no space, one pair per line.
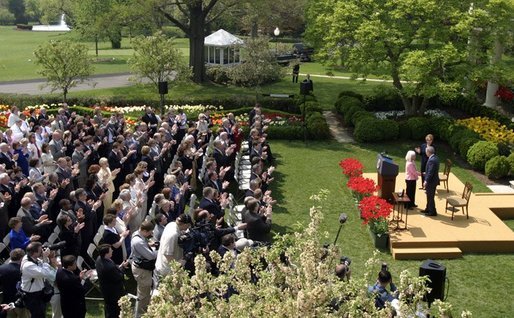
169,249
37,266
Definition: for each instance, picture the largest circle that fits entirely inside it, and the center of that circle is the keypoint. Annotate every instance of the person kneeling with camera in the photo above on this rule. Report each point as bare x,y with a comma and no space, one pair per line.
382,295
37,266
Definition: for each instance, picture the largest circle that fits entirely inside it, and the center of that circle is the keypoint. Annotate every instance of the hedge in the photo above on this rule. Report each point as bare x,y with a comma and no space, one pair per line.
346,102
232,102
375,130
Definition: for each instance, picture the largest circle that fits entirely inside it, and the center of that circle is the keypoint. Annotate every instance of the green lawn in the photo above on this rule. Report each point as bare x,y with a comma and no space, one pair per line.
480,283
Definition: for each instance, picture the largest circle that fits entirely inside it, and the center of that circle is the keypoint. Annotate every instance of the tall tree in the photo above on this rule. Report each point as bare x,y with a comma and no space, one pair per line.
193,18
411,40
64,64
156,59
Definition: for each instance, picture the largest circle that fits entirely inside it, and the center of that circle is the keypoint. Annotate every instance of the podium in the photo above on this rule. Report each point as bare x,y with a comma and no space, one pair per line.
387,171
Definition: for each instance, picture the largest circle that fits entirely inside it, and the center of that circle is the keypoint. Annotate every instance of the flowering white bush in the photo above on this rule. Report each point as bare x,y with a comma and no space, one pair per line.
292,278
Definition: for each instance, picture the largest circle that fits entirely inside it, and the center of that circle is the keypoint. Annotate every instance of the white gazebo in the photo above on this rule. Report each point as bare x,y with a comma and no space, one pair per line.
222,48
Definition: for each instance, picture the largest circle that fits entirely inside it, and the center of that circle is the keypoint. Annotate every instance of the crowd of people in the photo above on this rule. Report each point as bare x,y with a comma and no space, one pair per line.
91,181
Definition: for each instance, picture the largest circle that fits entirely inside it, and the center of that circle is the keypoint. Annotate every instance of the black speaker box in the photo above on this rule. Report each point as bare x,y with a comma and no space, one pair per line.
163,88
437,274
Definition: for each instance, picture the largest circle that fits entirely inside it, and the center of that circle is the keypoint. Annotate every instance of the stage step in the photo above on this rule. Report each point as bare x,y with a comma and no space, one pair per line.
424,253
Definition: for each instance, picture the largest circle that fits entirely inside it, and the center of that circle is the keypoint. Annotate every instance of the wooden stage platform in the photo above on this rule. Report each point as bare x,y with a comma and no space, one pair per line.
440,237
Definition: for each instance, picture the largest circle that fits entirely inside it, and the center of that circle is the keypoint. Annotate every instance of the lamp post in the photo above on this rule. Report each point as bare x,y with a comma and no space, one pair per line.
277,33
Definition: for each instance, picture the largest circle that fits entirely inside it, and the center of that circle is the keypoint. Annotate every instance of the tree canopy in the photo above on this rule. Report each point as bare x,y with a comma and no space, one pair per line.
64,64
422,42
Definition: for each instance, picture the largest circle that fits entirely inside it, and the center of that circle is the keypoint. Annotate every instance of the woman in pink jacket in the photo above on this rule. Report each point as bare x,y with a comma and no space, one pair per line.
411,176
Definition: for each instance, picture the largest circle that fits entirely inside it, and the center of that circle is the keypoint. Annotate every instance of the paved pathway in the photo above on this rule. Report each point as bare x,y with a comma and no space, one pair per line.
34,87
340,133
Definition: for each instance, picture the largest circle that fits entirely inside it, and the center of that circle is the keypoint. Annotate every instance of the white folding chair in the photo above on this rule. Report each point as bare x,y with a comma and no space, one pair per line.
52,238
97,238
7,242
192,204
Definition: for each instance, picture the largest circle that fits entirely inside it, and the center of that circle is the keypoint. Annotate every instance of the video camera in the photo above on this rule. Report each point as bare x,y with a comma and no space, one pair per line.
197,237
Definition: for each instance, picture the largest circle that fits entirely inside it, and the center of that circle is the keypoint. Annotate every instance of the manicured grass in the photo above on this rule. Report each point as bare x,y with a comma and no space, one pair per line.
480,283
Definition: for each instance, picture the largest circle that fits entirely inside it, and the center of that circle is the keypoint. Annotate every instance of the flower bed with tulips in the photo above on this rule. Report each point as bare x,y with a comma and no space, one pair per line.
489,129
133,114
373,210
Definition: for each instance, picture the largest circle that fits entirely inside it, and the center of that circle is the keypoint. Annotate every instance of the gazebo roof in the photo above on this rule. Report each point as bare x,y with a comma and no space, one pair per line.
222,38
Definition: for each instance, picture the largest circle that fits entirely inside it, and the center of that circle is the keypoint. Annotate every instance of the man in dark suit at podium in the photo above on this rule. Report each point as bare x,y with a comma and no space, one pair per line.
431,180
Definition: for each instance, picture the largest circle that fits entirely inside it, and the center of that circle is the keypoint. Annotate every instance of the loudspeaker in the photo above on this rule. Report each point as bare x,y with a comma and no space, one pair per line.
305,88
163,88
437,274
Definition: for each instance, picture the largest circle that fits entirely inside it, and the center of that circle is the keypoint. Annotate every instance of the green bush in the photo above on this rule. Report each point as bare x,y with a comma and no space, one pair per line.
311,107
351,94
419,127
497,167
317,127
348,117
464,146
358,115
285,132
440,127
461,134
384,99
344,103
510,159
404,130
217,74
503,149
375,130
480,153
6,17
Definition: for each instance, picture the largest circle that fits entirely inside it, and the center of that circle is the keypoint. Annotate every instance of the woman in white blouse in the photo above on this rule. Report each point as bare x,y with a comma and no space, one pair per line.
105,180
47,160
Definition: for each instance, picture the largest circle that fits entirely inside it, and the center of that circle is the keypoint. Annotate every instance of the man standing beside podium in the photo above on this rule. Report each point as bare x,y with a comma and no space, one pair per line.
431,180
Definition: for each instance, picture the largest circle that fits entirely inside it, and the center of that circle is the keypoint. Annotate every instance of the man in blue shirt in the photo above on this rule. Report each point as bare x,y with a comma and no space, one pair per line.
382,295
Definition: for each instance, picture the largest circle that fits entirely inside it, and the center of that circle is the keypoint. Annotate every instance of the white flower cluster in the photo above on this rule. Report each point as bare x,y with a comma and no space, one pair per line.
45,106
127,109
193,108
401,113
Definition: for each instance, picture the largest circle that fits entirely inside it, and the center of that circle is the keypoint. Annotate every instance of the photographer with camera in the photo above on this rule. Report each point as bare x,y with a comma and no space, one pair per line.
143,263
37,266
343,269
169,248
379,290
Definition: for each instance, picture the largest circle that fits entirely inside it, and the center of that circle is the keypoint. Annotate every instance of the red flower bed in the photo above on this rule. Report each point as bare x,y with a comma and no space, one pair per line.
362,186
351,167
505,94
374,210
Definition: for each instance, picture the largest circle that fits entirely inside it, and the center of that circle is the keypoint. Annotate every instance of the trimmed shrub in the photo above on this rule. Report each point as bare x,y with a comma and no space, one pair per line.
317,127
285,132
461,134
357,116
510,159
464,146
497,167
351,94
375,130
440,127
311,108
404,130
346,102
347,119
228,103
480,153
503,149
419,127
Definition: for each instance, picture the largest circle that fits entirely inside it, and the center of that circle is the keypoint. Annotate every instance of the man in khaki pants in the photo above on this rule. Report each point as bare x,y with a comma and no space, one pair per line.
143,263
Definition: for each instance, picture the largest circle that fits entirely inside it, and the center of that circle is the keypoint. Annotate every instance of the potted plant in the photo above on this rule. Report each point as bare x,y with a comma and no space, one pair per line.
374,212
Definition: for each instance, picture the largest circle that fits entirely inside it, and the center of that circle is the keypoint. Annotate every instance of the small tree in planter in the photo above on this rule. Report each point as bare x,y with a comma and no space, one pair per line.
362,187
375,211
